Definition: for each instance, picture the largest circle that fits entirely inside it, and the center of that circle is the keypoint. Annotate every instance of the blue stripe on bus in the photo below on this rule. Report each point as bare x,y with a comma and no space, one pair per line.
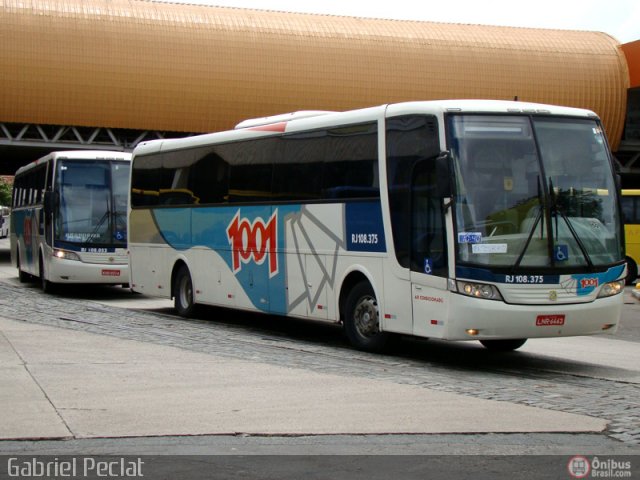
251,240
584,283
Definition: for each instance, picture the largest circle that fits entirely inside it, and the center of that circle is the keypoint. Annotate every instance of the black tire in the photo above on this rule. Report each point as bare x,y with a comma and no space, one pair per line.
183,301
632,271
503,345
362,321
46,285
23,276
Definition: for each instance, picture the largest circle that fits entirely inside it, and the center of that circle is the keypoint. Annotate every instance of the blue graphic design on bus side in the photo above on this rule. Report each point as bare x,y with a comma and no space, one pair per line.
24,222
251,240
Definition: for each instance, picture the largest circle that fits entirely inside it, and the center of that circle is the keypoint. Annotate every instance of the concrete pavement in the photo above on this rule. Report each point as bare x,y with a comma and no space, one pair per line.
60,383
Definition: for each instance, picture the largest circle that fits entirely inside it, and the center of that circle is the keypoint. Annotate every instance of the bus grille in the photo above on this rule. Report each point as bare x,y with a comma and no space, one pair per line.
541,295
105,258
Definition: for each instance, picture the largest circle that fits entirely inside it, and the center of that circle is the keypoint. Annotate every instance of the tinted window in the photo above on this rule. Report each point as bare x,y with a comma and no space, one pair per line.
299,175
351,162
150,176
29,187
324,164
251,167
209,177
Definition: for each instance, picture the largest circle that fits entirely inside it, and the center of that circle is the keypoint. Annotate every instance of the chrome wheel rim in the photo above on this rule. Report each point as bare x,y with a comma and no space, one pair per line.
365,316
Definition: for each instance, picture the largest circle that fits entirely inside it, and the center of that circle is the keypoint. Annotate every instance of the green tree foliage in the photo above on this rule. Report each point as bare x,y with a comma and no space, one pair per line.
5,191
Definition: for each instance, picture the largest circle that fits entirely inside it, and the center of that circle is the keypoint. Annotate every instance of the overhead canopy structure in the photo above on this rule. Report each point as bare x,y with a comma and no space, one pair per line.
138,64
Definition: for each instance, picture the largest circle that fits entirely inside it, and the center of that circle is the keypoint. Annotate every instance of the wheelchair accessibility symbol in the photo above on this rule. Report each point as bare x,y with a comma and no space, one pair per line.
428,266
561,253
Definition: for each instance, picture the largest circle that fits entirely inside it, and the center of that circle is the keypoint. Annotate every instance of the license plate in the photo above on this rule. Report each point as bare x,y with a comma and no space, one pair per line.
110,273
549,320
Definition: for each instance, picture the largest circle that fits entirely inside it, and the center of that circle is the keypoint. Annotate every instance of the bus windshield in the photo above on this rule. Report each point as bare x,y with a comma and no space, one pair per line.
533,192
91,202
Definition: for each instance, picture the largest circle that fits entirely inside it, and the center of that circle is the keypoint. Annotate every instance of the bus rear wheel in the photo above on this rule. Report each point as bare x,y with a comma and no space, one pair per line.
362,320
23,276
183,301
503,345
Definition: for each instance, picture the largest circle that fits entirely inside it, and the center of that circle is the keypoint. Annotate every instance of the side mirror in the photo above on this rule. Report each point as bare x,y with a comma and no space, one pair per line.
48,202
443,172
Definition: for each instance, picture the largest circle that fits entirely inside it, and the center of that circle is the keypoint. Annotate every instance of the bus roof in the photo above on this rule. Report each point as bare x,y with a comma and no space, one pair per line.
298,121
77,155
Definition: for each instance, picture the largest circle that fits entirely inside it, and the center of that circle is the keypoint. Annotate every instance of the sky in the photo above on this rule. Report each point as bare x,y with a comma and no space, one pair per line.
619,18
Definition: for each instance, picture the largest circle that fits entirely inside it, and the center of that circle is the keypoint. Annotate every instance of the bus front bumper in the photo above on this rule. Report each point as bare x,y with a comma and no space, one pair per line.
477,319
73,271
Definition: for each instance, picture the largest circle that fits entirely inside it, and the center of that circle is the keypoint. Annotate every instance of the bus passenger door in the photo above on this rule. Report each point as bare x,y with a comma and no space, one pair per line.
428,251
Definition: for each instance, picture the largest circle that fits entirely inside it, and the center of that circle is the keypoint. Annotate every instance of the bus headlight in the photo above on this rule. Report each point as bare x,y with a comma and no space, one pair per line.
66,255
479,290
612,288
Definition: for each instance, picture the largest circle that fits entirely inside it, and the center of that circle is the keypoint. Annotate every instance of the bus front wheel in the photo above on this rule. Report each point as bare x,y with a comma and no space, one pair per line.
47,286
23,276
503,345
183,301
362,321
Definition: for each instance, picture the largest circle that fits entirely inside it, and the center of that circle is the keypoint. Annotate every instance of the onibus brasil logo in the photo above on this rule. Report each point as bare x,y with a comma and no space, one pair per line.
253,241
582,467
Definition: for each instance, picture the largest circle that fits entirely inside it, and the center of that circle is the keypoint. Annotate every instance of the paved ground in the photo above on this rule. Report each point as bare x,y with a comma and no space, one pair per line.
81,368
66,383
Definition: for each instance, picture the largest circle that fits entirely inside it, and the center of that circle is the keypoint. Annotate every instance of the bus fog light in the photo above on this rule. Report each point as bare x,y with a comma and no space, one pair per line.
66,255
479,290
611,288
472,331
608,326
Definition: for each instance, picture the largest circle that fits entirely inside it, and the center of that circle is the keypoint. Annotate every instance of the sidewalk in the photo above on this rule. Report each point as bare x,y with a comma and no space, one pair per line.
59,383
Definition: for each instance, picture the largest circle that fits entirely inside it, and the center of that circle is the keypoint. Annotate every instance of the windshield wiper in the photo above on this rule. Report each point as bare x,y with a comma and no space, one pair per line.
106,216
531,233
556,209
96,229
533,228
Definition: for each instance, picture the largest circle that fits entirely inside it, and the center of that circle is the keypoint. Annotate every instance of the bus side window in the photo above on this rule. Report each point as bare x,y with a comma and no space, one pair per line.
251,168
351,163
146,183
209,178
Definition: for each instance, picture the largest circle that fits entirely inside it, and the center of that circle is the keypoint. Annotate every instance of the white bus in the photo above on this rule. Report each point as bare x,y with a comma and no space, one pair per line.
68,222
4,221
463,220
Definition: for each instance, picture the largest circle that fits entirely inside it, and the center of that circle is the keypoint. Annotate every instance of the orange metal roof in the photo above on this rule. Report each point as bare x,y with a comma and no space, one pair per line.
632,52
144,64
